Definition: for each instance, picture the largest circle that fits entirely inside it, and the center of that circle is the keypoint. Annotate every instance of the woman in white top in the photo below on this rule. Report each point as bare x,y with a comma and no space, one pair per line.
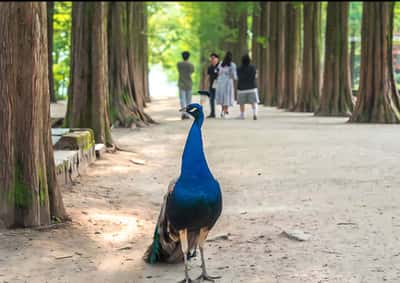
225,91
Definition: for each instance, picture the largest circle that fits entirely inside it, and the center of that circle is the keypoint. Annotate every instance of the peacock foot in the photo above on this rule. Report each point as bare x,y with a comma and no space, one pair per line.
206,277
188,280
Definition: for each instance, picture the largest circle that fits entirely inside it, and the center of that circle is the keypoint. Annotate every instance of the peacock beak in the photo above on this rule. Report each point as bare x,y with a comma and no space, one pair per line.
184,112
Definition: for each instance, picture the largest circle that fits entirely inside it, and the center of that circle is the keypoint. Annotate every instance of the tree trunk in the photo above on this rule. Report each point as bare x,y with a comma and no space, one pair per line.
29,195
336,91
292,52
136,53
88,91
204,80
276,54
124,86
352,57
261,48
378,100
147,97
308,99
50,13
243,37
256,31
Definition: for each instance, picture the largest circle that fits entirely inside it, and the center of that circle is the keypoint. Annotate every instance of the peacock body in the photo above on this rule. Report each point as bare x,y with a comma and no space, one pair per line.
191,206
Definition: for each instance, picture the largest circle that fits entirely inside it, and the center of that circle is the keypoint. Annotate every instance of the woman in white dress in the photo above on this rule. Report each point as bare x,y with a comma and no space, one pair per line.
225,91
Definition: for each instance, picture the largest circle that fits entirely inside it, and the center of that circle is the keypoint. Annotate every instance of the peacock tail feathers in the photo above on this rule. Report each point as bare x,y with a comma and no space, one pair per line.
155,248
166,246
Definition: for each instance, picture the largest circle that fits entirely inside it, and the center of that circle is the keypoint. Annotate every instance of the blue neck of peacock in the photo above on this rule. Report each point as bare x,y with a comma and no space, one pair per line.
194,163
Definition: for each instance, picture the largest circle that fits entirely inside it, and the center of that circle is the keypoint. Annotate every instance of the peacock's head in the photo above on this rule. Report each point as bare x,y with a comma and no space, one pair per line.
194,110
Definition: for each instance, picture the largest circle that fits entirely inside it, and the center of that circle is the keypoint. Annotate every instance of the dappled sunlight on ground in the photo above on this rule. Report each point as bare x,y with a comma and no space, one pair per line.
126,226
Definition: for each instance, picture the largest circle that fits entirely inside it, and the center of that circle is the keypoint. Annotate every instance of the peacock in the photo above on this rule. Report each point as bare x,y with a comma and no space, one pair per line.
191,206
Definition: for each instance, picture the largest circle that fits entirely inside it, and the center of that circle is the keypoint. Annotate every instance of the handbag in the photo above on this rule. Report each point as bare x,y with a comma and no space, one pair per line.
214,84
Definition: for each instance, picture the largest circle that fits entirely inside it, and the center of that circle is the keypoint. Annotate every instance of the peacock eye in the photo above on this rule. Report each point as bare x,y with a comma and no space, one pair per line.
192,110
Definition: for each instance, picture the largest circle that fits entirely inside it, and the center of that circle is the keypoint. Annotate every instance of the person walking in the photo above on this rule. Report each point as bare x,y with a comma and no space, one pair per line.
225,92
212,79
247,86
185,70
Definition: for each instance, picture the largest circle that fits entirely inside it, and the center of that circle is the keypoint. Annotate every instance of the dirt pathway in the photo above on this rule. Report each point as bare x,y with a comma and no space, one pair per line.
337,182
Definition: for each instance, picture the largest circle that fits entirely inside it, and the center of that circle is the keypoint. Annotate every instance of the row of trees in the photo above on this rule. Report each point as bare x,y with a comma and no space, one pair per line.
108,81
108,84
292,80
108,76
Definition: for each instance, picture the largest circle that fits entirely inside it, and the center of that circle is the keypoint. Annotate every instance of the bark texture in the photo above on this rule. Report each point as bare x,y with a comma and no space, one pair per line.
336,90
88,91
378,100
309,93
128,84
292,56
29,194
276,80
50,31
262,48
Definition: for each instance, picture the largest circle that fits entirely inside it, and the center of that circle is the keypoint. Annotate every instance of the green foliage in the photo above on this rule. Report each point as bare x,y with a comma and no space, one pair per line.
355,17
170,32
61,47
210,28
396,24
198,27
262,40
355,20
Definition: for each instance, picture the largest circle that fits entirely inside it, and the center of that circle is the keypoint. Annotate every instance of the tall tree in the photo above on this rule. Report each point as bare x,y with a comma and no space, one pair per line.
136,36
292,55
50,31
308,98
378,100
88,91
352,59
256,32
127,83
276,79
260,45
29,195
236,25
145,43
336,90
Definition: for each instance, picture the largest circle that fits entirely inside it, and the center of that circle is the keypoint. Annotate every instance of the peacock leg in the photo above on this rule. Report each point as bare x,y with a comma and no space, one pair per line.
204,275
184,245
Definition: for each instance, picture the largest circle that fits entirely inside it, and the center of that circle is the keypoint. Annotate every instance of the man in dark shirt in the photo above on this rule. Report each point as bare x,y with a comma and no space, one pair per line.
212,75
